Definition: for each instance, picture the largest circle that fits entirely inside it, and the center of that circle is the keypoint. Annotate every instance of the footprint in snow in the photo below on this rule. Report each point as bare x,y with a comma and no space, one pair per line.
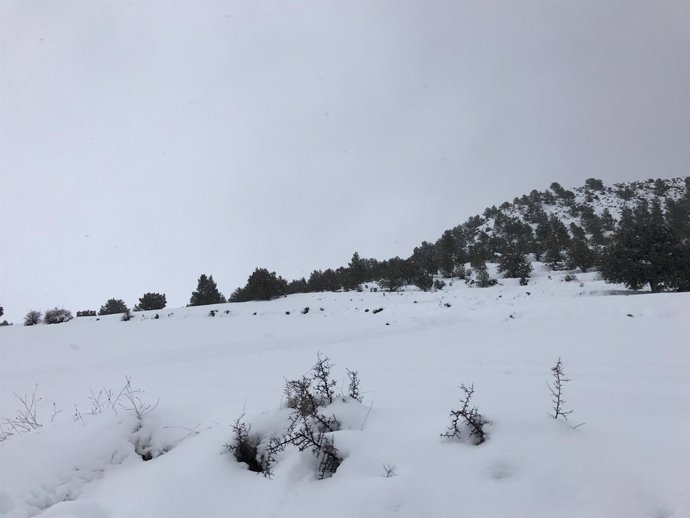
501,470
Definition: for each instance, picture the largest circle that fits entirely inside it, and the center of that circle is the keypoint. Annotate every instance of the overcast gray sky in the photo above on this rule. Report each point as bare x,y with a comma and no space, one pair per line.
142,144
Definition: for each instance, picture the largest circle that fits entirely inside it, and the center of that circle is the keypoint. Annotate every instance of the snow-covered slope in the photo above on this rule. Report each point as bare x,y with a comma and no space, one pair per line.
628,358
577,205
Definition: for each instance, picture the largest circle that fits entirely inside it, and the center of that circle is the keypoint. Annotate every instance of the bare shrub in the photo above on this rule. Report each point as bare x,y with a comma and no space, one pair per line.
466,419
25,419
559,379
308,428
389,470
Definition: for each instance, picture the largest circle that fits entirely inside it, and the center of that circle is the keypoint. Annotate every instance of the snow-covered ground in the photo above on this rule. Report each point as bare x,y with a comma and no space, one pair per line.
628,358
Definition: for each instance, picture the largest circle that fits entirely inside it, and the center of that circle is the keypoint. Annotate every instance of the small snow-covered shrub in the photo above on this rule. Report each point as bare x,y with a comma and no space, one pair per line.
32,318
86,313
243,446
484,280
126,316
466,420
460,271
439,284
310,426
57,316
480,277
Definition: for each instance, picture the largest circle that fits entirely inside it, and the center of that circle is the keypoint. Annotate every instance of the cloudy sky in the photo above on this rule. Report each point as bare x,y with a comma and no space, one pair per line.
142,144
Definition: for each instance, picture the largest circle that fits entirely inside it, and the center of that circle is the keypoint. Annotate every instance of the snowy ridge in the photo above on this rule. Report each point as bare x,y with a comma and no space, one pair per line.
627,357
608,201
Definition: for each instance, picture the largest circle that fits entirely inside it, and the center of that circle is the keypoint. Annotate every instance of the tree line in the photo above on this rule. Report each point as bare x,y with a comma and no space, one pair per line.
649,245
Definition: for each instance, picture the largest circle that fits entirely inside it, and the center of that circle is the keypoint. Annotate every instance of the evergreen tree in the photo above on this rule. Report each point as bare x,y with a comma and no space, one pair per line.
607,222
395,272
678,216
656,214
261,285
423,280
577,231
425,256
641,213
150,301
648,254
580,255
113,306
515,264
660,187
356,273
627,220
2,311
594,184
446,250
297,286
206,292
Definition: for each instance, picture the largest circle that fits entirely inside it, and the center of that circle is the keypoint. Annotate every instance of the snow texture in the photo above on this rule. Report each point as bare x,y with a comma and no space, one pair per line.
627,355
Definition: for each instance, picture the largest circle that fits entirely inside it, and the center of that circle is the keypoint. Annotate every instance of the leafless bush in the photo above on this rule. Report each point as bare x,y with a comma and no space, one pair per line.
311,433
466,419
324,385
243,446
308,428
559,379
353,387
389,470
106,399
25,419
132,400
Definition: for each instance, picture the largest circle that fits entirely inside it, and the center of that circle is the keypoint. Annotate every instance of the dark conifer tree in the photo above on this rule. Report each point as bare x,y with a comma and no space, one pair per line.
425,256
113,306
261,285
150,301
206,292
647,254
515,264
580,255
297,286
446,250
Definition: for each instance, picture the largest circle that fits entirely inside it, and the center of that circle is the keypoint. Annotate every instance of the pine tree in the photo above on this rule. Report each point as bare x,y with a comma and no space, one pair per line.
515,264
113,306
206,292
580,255
261,285
356,274
425,256
446,250
150,301
648,254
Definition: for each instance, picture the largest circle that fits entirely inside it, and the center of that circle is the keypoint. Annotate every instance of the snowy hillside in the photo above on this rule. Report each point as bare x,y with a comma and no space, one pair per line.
577,204
623,452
